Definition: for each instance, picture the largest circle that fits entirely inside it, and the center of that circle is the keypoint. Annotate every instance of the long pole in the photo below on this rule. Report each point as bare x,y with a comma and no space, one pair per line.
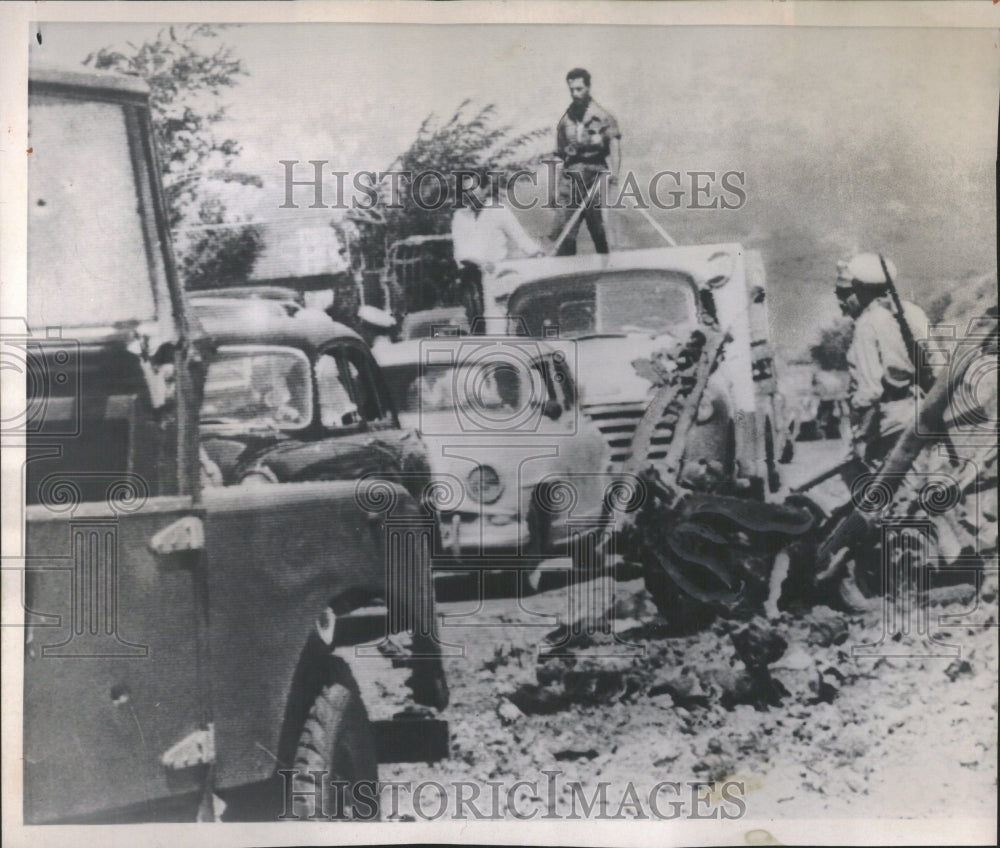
652,222
591,193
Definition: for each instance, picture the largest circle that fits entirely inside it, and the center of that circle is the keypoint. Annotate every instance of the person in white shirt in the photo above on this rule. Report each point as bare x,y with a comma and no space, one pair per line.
484,232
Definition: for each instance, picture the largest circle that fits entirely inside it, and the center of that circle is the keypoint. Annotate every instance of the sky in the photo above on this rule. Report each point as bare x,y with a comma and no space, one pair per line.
849,139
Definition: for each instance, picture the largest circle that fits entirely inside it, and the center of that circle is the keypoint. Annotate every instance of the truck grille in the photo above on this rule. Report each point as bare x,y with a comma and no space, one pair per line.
617,423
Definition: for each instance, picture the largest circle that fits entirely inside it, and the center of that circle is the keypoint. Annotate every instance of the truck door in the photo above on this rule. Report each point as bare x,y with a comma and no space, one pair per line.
114,703
112,670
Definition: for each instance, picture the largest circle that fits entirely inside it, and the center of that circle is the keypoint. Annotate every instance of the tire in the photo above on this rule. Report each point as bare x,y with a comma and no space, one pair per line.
683,613
337,741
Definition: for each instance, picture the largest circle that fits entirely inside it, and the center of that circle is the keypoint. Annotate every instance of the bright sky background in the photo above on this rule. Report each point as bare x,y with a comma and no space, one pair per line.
875,138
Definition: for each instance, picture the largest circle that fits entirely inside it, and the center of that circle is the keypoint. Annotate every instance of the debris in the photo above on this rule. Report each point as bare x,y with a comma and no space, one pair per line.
826,628
685,689
825,688
795,659
502,655
958,669
574,754
637,606
941,596
969,755
537,700
758,645
508,712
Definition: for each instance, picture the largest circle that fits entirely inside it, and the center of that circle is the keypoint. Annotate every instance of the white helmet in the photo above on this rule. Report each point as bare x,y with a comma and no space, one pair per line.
865,269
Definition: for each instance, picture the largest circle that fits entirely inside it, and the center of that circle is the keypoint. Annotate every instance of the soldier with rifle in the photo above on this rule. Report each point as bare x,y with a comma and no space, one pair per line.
885,383
882,356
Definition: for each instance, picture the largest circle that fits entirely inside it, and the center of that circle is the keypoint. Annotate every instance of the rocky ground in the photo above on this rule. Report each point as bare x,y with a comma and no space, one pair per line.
895,735
795,715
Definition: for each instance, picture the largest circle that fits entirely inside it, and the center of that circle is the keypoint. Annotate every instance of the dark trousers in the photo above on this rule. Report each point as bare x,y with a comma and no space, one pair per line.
470,292
575,183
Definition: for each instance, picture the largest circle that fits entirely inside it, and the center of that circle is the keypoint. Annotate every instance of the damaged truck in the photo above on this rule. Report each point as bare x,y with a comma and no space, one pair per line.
178,639
677,371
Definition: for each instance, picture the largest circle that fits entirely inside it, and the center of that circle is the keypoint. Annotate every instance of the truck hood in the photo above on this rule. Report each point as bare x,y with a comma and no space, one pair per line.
604,369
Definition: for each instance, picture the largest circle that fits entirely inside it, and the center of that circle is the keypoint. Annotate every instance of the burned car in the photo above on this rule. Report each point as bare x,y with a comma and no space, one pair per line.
507,445
291,395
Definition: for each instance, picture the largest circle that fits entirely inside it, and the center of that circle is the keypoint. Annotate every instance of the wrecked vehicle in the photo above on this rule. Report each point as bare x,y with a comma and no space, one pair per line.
506,442
296,397
678,374
630,314
145,594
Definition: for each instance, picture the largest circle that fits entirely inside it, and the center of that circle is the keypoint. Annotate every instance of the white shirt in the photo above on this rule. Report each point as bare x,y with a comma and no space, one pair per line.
878,356
487,237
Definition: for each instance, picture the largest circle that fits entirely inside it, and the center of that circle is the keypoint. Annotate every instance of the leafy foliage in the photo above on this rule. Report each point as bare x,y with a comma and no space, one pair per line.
187,69
830,352
219,257
469,140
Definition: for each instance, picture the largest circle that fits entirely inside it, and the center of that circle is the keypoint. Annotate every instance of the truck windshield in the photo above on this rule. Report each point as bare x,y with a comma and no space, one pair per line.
640,301
87,257
489,388
266,386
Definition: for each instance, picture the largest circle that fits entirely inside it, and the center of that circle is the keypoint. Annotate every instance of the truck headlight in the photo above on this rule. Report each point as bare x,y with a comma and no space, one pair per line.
483,484
706,409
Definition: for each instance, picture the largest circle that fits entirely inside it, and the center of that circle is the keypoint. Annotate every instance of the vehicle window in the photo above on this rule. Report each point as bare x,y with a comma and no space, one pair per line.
262,386
615,302
432,389
87,260
576,316
647,302
364,389
336,404
480,388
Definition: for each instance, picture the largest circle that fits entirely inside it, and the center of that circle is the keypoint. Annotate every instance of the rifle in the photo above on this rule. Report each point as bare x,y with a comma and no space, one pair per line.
922,377
839,468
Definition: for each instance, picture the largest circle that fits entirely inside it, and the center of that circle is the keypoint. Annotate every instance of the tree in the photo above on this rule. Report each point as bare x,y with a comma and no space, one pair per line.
830,352
468,140
186,69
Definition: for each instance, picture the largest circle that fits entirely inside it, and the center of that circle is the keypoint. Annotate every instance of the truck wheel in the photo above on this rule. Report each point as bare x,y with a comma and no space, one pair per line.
337,743
683,613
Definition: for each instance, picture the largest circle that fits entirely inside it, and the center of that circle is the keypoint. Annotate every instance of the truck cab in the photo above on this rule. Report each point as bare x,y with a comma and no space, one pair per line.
151,687
629,312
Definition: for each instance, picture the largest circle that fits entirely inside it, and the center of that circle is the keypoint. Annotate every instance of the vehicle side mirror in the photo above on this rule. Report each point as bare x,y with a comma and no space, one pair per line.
552,409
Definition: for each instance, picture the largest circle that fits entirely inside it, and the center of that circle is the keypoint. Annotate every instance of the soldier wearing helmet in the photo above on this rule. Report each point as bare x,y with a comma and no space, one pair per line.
879,360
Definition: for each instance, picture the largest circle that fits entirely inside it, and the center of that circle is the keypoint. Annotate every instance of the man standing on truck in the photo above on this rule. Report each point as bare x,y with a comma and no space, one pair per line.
588,143
483,231
881,358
